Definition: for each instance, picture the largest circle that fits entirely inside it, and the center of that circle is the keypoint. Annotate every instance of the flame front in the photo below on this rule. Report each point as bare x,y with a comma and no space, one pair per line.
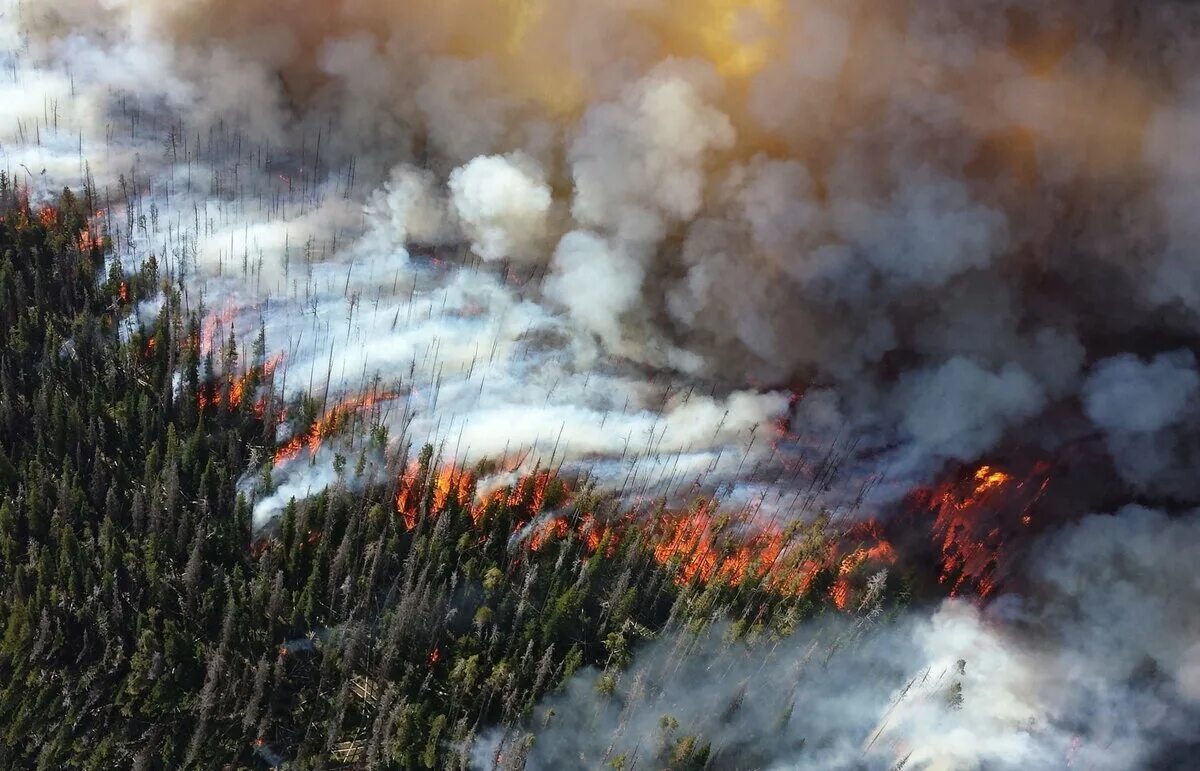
699,546
332,421
230,391
973,519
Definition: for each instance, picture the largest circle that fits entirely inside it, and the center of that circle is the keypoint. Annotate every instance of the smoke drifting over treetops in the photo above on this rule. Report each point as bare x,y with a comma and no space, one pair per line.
911,202
961,227
1066,677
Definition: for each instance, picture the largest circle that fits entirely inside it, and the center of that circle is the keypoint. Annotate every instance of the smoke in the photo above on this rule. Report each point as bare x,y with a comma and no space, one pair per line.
1063,676
621,236
595,284
502,206
1146,411
961,410
903,202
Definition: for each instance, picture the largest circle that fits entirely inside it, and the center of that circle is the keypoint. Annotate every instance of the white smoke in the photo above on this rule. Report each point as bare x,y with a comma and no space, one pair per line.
1065,676
503,204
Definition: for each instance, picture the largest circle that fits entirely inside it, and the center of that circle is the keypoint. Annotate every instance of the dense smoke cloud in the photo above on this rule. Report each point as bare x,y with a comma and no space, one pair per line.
619,233
1147,411
946,213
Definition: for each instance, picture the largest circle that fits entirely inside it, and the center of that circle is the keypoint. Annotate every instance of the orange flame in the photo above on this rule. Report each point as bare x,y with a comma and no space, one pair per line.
699,546
971,523
213,322
211,394
328,424
90,237
448,484
555,528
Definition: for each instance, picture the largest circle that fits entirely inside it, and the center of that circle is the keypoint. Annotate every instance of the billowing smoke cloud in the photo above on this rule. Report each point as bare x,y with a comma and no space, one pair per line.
617,234
502,206
1148,411
944,213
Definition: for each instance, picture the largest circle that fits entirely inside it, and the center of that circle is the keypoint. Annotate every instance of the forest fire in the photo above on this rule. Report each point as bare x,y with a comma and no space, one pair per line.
700,546
230,391
446,484
213,322
975,514
91,235
555,528
333,420
88,237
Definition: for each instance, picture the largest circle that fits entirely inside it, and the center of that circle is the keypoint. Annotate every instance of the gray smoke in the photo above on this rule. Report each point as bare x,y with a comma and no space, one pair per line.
946,214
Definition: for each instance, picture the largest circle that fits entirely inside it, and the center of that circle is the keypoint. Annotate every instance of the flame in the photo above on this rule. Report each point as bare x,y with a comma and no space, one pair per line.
448,484
214,321
212,394
700,545
555,528
974,515
987,478
48,216
328,424
91,236
593,533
